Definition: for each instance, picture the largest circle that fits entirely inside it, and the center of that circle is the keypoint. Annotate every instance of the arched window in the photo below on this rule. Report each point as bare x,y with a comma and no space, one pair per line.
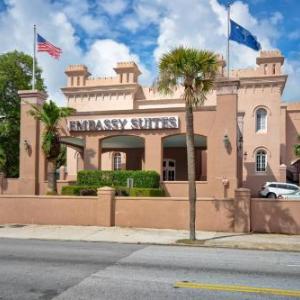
117,161
261,161
261,120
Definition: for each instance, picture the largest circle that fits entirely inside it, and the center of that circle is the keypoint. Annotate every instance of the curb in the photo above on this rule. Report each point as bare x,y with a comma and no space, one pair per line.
245,246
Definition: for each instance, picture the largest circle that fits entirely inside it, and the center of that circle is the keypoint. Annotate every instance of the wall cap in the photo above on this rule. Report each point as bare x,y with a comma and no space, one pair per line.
105,189
242,190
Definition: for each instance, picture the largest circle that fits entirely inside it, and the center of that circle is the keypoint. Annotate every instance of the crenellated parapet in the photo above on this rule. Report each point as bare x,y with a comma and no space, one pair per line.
269,63
79,76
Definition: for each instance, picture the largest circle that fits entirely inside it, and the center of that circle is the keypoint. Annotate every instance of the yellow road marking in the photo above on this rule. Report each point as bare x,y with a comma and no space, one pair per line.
238,288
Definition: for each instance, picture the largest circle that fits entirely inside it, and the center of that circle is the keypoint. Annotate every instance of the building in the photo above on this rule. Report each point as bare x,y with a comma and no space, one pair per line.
244,132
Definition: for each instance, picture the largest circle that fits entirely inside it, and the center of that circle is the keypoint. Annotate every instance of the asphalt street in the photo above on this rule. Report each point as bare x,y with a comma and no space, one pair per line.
34,269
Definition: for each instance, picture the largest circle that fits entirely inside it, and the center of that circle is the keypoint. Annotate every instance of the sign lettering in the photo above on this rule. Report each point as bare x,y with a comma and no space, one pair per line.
144,123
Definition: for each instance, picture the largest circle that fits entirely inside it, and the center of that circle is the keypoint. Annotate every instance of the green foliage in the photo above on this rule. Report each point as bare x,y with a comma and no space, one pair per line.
53,193
15,74
141,179
142,192
85,190
76,190
62,157
2,159
50,115
194,69
297,150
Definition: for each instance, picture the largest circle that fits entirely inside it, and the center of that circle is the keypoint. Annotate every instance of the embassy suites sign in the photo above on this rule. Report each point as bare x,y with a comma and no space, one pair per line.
144,123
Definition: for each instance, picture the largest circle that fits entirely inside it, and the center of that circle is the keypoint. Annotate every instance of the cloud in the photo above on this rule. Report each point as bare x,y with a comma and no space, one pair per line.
113,7
107,53
56,25
153,27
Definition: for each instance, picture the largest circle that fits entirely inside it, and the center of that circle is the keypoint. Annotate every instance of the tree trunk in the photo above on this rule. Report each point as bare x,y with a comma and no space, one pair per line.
190,150
51,176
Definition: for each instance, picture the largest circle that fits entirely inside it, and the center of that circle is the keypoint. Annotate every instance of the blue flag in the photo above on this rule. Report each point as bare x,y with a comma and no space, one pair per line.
243,36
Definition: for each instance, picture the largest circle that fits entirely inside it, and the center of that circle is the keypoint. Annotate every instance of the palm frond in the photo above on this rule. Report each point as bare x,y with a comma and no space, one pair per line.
50,115
194,69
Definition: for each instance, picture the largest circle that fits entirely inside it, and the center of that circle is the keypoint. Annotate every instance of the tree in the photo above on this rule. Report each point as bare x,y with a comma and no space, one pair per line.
51,115
15,74
2,159
195,70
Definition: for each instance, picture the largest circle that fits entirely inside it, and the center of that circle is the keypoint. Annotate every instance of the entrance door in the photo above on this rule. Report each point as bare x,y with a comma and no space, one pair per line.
169,170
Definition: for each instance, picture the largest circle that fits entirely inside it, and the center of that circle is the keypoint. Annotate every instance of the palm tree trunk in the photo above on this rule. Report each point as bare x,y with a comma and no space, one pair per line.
190,149
51,176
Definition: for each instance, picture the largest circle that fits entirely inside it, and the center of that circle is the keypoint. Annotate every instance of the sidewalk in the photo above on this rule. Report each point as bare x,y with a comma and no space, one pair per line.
151,236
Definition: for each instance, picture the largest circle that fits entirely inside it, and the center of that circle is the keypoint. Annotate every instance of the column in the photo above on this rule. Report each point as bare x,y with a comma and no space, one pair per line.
242,210
222,142
92,153
153,153
105,207
30,149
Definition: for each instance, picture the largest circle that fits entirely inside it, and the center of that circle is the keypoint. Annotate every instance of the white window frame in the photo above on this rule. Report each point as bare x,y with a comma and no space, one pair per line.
256,161
117,165
258,127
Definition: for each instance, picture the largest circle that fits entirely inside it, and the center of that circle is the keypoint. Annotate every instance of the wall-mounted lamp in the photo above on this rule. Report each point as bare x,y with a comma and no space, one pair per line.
226,140
240,143
245,155
26,146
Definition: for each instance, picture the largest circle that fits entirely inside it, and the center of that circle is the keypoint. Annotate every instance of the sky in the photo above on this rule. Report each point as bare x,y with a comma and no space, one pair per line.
99,33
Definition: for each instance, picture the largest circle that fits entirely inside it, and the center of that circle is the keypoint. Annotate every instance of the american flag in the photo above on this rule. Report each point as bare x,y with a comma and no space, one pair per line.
45,46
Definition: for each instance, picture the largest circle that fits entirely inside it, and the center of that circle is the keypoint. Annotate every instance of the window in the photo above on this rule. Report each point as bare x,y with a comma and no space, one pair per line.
274,69
169,170
261,120
117,161
261,161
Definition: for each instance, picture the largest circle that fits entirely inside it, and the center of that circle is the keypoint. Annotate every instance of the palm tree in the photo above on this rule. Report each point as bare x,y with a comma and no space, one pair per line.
195,70
50,115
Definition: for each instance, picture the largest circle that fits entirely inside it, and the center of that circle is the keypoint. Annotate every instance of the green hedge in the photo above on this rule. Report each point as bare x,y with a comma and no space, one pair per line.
79,190
84,190
141,179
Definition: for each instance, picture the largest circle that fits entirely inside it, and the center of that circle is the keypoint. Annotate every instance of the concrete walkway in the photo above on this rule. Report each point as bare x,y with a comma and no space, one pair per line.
151,236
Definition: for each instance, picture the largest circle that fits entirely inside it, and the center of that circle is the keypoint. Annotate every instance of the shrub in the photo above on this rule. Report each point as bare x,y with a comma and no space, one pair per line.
142,192
141,179
79,190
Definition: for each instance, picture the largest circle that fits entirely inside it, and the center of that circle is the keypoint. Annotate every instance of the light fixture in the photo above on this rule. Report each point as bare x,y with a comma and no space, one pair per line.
226,140
245,155
26,146
240,143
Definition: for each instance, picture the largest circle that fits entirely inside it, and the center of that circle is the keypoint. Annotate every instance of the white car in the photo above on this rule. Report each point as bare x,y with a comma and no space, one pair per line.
292,196
274,189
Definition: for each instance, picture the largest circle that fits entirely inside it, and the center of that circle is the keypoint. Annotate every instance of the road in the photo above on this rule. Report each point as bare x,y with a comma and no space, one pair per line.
33,269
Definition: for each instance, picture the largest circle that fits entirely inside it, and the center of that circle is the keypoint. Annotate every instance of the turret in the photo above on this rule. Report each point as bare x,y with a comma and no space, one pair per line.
270,62
128,72
77,75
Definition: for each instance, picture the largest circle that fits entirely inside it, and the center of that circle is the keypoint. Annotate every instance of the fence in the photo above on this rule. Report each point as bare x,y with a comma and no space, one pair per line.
241,214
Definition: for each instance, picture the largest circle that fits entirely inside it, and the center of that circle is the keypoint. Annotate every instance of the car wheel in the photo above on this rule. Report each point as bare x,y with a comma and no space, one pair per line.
271,195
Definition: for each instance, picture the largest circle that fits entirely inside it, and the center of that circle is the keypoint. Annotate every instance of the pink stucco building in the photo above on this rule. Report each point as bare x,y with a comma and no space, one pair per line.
244,132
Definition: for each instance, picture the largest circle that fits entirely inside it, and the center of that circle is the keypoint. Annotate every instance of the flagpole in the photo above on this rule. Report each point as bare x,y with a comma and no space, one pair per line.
228,33
34,56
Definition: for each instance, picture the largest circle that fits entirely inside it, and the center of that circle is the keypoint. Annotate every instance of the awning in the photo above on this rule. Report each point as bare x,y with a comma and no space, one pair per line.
293,162
73,142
